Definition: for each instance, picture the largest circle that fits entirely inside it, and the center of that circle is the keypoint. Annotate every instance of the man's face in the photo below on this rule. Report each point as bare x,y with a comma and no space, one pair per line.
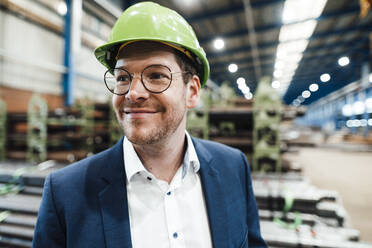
145,117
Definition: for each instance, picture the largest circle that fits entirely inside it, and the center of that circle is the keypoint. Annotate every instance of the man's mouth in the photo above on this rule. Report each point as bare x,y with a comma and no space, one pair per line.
139,113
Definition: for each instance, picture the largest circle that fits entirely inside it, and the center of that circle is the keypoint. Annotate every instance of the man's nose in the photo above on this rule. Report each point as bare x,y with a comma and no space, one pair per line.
137,90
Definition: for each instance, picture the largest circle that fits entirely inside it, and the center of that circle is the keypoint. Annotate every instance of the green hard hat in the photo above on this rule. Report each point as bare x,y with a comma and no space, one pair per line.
153,22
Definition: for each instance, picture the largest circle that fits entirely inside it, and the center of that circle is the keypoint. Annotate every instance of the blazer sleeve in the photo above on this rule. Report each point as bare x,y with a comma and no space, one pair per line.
255,239
48,230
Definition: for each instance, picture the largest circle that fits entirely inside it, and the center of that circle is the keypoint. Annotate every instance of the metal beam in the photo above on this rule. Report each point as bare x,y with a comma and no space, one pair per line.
68,78
270,44
349,43
72,38
310,76
334,56
231,10
252,37
301,82
277,25
329,87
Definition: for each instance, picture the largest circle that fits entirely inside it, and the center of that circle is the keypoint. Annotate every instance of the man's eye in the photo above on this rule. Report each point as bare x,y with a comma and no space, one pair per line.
123,79
155,76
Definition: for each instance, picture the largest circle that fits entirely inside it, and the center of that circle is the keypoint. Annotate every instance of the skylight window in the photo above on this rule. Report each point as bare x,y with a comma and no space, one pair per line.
299,18
297,31
299,10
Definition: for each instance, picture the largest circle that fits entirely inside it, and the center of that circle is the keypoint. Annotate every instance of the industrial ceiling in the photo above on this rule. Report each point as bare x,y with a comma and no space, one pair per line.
251,31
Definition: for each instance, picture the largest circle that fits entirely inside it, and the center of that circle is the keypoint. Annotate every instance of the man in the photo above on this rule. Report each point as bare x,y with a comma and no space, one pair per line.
157,187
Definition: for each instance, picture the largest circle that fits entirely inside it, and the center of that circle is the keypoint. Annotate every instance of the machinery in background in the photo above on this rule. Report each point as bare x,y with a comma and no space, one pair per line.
3,122
63,134
267,109
198,118
37,129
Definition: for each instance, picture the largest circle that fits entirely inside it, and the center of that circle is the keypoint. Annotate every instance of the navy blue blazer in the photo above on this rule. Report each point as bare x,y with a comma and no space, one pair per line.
85,204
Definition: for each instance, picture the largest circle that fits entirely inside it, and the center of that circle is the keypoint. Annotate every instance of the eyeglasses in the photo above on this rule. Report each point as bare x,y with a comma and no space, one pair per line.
155,78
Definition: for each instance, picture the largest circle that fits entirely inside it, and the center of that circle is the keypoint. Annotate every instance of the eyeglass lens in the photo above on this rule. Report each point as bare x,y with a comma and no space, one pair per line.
155,78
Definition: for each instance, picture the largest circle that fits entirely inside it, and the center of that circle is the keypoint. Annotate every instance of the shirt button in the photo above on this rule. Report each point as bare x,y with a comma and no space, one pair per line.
149,178
175,235
169,193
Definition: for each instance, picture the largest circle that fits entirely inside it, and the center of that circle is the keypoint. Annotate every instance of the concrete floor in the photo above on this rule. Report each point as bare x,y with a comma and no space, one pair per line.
349,173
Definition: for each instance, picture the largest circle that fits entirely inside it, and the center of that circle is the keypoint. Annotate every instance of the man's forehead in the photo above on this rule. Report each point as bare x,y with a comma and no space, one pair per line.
152,52
144,47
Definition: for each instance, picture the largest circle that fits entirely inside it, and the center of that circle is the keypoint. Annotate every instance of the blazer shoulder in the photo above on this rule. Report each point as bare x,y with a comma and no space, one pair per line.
224,157
215,147
78,172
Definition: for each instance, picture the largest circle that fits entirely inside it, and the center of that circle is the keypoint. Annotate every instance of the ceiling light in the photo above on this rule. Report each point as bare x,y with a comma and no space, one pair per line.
248,96
325,77
62,8
233,68
306,94
368,104
296,102
219,43
343,61
245,90
243,87
358,108
240,81
275,84
349,123
347,110
313,87
356,123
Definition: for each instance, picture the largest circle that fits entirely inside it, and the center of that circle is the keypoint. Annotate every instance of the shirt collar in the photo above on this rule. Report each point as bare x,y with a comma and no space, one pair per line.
191,158
133,164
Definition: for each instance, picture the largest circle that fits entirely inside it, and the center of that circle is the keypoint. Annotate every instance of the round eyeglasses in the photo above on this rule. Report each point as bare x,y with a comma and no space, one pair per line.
155,78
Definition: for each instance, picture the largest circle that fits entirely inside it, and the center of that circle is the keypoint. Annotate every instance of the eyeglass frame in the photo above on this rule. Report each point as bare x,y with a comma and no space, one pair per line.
132,76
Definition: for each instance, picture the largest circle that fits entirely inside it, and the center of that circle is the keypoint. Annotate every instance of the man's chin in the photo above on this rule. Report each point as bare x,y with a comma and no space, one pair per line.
140,140
145,137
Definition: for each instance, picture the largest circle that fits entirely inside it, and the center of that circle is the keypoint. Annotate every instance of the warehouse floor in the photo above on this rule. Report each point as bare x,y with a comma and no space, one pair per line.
349,173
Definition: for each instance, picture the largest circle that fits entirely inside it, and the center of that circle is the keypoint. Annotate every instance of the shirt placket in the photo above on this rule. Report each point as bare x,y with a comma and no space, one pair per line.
172,213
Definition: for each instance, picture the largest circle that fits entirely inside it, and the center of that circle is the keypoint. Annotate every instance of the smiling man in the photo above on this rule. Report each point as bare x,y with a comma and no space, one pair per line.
158,186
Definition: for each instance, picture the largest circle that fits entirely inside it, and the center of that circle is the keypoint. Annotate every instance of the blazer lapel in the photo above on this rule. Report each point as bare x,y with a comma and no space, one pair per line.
214,197
113,199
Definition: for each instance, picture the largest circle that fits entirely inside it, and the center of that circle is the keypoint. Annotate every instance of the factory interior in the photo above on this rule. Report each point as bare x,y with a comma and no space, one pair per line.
290,86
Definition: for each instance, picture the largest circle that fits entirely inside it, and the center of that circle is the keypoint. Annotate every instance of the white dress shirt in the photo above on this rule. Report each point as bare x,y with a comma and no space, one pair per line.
166,215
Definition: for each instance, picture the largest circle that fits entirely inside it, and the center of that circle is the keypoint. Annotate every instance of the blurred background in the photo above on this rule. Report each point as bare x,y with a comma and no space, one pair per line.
290,86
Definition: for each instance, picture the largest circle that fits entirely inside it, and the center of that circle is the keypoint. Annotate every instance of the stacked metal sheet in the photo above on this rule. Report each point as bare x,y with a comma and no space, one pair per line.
21,186
294,213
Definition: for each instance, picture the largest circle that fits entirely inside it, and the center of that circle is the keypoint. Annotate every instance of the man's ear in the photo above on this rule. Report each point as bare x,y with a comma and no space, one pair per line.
193,92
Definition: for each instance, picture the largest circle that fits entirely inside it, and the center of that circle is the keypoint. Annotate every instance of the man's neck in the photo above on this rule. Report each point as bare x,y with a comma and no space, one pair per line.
164,158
